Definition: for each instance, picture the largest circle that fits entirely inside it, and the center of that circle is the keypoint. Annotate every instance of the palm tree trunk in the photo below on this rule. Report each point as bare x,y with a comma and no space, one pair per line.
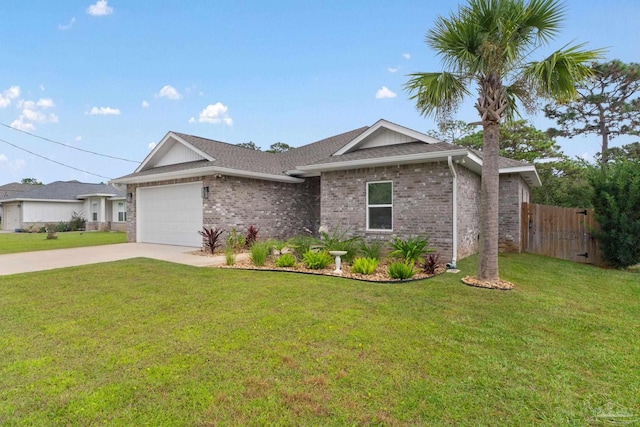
489,202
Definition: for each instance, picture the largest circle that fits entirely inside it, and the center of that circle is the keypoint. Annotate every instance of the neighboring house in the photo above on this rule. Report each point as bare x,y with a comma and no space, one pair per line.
11,190
377,182
102,205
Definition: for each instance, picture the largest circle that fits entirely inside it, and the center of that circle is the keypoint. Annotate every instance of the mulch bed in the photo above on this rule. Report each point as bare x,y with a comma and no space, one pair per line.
502,285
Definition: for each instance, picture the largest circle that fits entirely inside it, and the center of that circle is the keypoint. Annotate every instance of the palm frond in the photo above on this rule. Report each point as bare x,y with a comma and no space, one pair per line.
556,76
437,94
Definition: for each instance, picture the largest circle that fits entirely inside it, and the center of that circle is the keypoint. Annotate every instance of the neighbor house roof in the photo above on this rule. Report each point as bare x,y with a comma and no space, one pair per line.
13,188
68,191
381,144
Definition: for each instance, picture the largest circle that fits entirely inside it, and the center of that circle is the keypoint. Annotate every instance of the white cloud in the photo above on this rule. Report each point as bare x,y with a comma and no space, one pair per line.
67,26
152,145
100,8
3,158
192,120
393,69
384,93
42,88
8,95
168,92
406,56
16,165
103,111
145,104
45,103
77,138
215,114
20,124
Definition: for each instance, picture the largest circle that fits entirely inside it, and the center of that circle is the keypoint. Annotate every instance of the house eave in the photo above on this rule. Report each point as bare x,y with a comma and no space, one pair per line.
208,170
86,196
383,161
528,173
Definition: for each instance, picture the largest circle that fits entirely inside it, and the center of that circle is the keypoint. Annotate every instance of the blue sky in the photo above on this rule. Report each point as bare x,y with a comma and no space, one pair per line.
114,76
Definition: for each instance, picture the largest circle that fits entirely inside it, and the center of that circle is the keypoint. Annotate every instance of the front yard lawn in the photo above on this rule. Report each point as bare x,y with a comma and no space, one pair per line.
143,342
27,242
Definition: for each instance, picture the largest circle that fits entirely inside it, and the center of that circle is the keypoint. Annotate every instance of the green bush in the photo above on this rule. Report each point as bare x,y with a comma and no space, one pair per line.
286,260
235,240
316,260
616,202
364,265
371,250
338,241
401,270
78,221
300,245
229,255
60,227
259,252
410,249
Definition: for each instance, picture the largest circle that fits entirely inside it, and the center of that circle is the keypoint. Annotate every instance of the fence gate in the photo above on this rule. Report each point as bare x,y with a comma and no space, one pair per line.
560,232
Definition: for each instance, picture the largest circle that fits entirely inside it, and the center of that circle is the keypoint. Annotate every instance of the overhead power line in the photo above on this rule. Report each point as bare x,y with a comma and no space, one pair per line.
67,145
53,161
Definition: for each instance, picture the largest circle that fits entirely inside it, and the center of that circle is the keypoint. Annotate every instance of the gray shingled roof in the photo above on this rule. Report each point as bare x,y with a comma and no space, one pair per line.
320,152
69,190
13,189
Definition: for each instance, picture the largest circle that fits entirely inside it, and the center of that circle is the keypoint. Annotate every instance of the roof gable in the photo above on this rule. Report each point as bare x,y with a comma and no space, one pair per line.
384,133
172,150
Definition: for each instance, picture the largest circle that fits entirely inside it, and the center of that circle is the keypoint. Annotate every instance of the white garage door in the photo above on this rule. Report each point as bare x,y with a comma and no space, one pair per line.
170,214
11,217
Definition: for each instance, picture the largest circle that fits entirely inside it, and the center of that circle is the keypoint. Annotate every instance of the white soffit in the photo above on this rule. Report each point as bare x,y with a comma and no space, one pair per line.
384,133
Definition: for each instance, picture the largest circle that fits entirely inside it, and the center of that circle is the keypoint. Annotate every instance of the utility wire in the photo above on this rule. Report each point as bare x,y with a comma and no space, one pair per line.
53,161
68,146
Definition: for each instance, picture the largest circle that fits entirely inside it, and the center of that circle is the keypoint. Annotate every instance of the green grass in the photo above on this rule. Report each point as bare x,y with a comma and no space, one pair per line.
142,342
28,242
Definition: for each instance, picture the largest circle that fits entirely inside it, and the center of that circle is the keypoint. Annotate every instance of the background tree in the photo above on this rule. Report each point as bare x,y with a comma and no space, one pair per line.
564,183
487,43
608,105
452,131
628,151
279,147
250,145
31,181
519,140
616,203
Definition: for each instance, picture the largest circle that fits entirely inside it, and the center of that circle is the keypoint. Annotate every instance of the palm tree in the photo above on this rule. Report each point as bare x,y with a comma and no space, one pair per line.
488,42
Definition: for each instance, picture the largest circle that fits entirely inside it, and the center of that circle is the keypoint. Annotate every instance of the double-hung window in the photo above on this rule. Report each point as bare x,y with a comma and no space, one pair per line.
380,205
94,211
122,213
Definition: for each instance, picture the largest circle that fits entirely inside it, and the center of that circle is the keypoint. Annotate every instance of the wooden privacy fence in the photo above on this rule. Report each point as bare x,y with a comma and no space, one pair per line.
560,233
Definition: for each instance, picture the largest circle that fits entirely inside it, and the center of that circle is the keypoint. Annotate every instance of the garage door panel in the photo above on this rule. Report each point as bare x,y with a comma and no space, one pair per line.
170,214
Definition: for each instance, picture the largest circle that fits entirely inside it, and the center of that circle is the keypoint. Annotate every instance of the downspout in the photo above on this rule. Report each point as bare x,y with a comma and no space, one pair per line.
454,230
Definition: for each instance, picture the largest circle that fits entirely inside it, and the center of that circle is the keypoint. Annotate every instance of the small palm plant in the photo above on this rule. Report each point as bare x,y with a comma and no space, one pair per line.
212,237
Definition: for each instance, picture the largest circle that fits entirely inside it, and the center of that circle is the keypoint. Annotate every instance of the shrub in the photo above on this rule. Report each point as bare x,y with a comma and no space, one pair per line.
616,202
286,260
364,265
259,252
235,240
371,250
78,221
431,263
401,270
338,241
229,255
212,237
411,249
252,236
278,245
60,227
316,260
300,245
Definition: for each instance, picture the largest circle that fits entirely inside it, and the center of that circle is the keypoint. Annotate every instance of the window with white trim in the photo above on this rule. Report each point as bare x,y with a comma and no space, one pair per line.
94,211
380,205
122,212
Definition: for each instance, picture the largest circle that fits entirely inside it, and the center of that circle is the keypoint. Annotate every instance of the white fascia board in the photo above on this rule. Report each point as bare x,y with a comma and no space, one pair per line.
84,196
158,149
209,170
117,198
391,126
529,173
49,200
384,161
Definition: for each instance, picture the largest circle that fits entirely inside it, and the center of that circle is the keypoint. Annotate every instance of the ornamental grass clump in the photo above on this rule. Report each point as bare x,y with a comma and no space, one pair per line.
286,260
401,270
316,260
371,250
411,249
364,266
229,255
338,241
259,252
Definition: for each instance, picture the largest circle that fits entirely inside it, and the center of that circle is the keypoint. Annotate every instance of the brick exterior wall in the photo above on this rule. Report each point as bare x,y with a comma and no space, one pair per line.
422,202
279,210
513,192
468,212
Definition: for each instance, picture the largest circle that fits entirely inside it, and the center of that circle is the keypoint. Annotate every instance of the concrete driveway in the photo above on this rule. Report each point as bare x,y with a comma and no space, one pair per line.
26,262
